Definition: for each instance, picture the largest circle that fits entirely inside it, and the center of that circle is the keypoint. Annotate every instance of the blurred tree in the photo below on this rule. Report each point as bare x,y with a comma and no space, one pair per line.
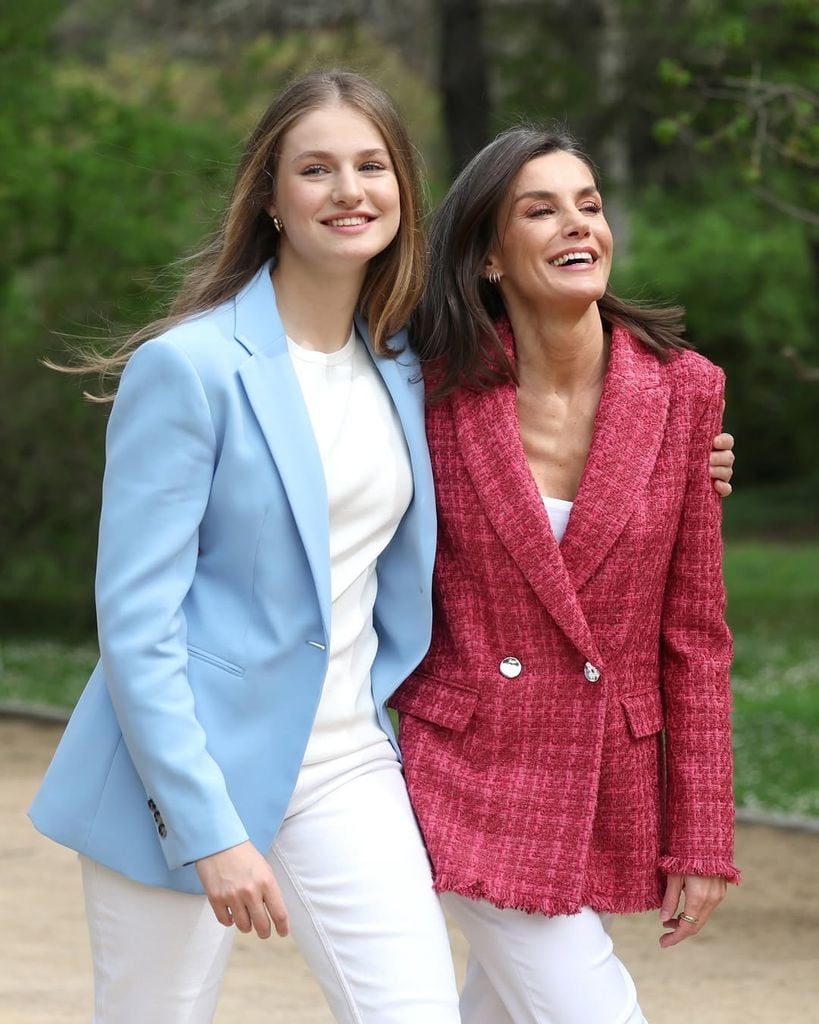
464,79
114,168
746,92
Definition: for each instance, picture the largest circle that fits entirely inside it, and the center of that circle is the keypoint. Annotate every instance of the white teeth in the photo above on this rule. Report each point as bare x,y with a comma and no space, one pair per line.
585,257
347,222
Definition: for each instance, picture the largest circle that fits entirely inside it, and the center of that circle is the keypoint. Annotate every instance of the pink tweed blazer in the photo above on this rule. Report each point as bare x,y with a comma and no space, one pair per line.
567,738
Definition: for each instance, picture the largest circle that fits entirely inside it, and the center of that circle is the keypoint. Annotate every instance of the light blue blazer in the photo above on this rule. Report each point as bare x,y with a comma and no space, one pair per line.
213,599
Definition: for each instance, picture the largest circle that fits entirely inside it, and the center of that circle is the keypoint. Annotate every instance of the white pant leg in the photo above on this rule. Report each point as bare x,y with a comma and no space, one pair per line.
357,884
158,955
544,970
480,1003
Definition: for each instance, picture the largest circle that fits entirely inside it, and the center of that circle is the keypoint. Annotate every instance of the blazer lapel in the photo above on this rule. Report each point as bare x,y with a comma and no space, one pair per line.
628,432
274,393
492,450
402,378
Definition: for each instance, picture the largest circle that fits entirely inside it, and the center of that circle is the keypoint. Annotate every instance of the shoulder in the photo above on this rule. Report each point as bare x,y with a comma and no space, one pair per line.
691,371
202,347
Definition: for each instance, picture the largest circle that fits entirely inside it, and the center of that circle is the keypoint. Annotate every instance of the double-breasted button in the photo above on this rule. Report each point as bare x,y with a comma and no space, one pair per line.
591,672
510,667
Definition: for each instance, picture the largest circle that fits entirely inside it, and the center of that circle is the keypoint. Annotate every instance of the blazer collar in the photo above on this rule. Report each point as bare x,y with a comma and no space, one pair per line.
274,394
275,397
628,431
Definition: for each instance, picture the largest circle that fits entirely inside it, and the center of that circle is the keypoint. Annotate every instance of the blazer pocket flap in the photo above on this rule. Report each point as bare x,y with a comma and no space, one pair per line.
644,712
436,700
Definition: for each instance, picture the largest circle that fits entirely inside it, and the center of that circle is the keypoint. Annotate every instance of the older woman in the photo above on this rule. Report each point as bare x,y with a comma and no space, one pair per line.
567,738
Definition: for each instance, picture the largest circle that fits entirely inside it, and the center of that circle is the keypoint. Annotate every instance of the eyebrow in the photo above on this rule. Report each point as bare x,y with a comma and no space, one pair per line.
323,154
589,190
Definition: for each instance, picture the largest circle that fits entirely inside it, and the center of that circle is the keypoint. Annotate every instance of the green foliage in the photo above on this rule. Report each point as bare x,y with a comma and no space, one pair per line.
746,280
772,608
113,170
746,76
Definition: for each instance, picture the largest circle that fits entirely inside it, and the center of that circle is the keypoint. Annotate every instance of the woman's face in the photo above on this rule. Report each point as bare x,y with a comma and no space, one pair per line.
336,190
554,243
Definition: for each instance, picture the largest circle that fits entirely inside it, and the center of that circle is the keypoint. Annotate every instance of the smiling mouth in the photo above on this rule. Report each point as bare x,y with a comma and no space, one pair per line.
348,222
571,259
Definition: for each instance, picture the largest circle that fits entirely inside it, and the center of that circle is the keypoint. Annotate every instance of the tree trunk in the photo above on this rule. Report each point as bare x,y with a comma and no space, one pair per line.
614,151
464,79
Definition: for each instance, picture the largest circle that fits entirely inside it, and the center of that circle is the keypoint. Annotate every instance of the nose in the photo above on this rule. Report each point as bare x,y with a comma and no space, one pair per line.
347,190
576,225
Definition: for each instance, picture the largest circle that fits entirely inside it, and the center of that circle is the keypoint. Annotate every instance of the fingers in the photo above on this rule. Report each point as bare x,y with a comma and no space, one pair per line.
721,464
242,890
671,899
702,895
222,912
275,907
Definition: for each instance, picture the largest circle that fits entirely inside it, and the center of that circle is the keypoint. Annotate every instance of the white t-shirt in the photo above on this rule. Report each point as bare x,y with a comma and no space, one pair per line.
369,487
558,512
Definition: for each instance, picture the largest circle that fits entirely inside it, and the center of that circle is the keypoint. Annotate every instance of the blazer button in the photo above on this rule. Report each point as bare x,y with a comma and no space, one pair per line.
151,805
511,668
591,672
162,831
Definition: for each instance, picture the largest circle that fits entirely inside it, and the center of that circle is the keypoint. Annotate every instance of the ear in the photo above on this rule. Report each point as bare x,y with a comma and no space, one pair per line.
492,265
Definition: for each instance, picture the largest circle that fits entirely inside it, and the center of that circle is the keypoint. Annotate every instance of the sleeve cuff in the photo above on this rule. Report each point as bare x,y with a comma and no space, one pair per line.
700,866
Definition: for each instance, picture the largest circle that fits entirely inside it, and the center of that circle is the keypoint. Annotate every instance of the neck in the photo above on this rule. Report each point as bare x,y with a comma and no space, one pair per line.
565,351
316,306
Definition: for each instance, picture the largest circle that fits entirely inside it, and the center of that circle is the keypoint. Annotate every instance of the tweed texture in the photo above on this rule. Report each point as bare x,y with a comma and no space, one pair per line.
547,792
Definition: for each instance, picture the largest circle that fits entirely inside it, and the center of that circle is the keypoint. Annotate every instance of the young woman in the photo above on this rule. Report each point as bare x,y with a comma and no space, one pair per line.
567,738
263,586
266,548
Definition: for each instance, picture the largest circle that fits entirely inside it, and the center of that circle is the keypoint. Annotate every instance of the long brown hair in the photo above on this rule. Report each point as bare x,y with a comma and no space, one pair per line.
453,328
246,237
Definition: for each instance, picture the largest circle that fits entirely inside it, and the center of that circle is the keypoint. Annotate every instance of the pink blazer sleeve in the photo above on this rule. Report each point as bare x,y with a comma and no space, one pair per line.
696,654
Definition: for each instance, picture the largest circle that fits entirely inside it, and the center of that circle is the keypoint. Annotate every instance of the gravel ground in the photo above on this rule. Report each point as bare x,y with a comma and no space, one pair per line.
756,963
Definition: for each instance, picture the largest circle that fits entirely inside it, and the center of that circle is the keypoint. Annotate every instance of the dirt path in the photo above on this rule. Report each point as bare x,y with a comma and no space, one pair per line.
758,963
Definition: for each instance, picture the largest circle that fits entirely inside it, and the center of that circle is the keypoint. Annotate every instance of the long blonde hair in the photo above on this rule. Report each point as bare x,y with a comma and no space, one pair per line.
246,237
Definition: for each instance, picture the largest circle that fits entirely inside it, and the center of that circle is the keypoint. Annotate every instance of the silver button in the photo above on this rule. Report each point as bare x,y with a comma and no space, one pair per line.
591,672
511,668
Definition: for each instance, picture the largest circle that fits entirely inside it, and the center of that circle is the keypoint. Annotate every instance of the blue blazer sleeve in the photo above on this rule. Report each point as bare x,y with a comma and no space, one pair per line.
160,454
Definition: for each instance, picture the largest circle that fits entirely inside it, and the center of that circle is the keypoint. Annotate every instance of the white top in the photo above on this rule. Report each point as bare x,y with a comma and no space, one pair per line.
558,512
369,487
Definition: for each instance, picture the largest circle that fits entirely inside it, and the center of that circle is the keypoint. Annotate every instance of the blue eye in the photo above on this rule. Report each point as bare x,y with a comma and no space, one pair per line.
313,170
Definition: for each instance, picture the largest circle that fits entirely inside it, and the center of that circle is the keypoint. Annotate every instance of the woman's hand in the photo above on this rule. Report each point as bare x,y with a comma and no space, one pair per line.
242,890
722,463
702,893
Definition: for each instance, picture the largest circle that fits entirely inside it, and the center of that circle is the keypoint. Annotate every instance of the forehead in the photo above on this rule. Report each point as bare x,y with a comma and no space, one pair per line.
334,128
554,172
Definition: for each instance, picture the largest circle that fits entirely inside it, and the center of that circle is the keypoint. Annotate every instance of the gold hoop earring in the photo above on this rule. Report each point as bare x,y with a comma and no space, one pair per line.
277,224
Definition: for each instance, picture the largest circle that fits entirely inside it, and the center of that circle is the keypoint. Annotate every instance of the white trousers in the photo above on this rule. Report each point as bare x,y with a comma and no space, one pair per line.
356,881
357,885
532,969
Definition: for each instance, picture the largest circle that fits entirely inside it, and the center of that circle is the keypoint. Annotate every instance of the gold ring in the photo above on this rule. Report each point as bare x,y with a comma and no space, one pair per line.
688,919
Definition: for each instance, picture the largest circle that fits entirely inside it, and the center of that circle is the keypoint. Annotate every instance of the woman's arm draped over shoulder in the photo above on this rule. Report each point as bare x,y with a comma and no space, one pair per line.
160,453
696,656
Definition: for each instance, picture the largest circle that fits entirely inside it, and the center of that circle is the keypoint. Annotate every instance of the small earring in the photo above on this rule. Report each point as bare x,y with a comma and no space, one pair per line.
277,224
494,277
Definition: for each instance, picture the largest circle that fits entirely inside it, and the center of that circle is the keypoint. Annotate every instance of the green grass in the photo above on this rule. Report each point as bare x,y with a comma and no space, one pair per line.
774,613
773,609
44,671
786,511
